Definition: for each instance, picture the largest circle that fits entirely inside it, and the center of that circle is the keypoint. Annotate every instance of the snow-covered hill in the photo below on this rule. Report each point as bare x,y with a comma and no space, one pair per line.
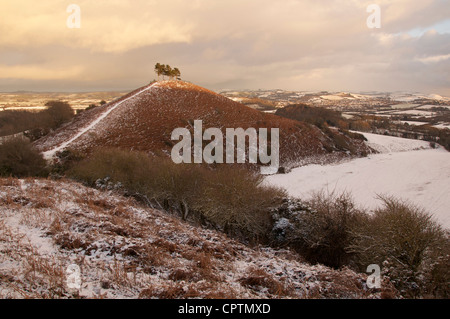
144,119
407,169
126,250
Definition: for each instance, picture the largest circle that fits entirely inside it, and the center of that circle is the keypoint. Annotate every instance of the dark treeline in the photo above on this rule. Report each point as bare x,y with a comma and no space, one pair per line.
324,118
35,124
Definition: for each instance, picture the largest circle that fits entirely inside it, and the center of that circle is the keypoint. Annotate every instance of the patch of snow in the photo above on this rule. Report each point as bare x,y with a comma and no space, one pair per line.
414,123
415,113
404,106
442,125
390,144
347,116
430,106
332,97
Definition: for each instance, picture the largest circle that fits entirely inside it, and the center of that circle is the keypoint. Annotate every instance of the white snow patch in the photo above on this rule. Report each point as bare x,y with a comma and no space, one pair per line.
332,97
414,123
404,106
389,144
415,113
430,106
442,126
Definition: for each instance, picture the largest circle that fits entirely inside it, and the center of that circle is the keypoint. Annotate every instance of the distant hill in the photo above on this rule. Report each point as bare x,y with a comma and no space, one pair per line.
145,118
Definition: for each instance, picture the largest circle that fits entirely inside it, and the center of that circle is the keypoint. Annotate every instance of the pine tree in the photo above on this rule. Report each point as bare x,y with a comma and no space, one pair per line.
167,71
158,69
176,73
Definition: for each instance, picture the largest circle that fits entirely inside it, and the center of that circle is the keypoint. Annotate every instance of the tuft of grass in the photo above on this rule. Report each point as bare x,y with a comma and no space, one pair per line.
257,279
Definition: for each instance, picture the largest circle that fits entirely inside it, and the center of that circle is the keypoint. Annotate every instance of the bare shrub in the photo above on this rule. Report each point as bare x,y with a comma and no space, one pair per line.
19,159
65,160
410,245
236,200
57,113
34,125
227,197
320,229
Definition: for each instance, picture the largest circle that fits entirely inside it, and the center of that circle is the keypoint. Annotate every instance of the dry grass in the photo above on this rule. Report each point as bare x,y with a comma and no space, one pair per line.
230,198
259,279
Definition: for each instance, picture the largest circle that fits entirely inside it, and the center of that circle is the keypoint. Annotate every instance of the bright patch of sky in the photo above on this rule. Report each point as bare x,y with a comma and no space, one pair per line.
440,27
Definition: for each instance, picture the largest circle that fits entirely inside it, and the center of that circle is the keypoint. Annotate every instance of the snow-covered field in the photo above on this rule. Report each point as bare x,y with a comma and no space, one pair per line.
404,106
429,107
415,123
442,125
406,169
416,113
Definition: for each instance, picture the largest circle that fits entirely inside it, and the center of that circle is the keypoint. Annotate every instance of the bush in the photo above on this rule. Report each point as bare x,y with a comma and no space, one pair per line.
339,139
320,229
411,247
65,160
35,124
236,200
13,122
228,198
318,116
412,250
19,159
57,113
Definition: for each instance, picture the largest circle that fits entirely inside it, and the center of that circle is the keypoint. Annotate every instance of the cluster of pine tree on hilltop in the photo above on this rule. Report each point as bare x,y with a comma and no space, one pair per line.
166,70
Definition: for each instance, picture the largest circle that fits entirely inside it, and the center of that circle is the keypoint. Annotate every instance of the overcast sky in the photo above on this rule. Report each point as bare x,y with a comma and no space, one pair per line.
226,44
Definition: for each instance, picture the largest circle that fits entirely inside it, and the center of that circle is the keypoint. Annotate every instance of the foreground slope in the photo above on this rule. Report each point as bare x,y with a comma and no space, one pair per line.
125,250
145,118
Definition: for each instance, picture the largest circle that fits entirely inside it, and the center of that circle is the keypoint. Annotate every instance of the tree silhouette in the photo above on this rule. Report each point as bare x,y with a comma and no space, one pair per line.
176,73
166,70
158,69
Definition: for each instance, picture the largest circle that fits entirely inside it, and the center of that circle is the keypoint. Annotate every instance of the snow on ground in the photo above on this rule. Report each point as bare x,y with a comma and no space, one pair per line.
416,113
24,108
442,125
347,116
415,123
332,97
126,250
390,144
430,106
407,169
404,106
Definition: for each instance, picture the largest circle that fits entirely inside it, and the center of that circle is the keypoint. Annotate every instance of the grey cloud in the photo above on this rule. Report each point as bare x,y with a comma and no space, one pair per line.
249,44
